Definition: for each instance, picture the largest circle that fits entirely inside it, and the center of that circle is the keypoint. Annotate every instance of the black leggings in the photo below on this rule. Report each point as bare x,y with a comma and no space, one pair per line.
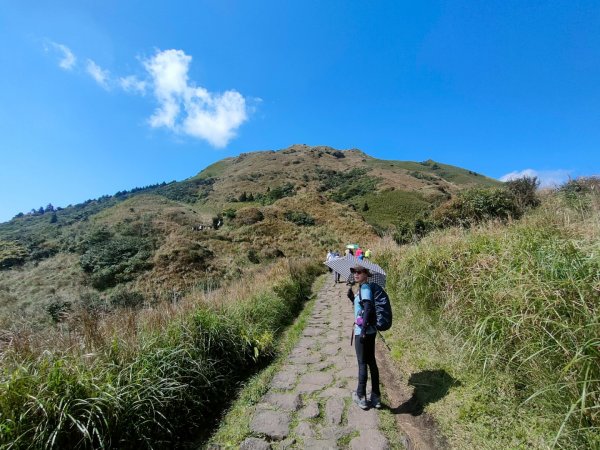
365,355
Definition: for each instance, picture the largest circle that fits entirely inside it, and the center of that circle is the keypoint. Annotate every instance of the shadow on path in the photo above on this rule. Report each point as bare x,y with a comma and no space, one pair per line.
430,386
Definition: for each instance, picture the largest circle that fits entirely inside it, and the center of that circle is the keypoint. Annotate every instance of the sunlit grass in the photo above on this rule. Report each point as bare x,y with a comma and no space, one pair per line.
148,378
513,313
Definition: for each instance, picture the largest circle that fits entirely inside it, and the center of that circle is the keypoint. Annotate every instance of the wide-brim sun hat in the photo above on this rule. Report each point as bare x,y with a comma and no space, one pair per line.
360,268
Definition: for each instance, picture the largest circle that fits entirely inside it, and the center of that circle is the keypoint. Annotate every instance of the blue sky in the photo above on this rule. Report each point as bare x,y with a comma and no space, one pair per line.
97,97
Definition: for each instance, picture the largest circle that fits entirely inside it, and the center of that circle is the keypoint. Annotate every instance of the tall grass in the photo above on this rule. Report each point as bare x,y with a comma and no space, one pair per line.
148,379
525,301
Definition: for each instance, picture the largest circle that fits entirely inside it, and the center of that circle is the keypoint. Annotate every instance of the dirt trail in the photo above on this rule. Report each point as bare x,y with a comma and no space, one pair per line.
309,405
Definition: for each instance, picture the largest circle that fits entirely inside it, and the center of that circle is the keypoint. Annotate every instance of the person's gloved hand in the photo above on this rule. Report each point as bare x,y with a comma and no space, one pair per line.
361,338
350,294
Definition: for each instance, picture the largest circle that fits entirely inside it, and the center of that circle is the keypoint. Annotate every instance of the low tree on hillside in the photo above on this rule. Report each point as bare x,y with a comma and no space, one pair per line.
478,205
524,190
299,218
58,310
12,254
217,221
229,213
115,260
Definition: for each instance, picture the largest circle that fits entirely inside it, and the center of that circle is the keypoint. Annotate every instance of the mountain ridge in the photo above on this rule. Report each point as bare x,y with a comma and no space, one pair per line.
238,212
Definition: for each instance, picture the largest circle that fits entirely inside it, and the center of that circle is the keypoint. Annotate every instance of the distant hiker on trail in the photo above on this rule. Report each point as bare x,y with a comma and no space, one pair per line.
364,344
349,251
359,253
332,255
368,253
336,275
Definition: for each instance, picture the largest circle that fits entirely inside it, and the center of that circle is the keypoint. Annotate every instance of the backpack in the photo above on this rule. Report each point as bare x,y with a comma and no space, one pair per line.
383,307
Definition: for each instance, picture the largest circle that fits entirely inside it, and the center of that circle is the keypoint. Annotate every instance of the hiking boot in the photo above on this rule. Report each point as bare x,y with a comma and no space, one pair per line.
375,401
360,401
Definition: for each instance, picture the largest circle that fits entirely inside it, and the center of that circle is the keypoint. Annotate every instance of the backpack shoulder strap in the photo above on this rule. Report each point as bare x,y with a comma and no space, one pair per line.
360,300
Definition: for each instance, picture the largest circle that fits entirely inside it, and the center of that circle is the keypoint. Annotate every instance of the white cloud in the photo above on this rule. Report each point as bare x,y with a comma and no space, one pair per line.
186,108
215,118
547,178
98,73
68,60
183,107
133,84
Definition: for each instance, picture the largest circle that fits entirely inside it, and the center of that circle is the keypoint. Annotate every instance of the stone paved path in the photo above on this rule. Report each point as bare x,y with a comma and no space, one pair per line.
309,402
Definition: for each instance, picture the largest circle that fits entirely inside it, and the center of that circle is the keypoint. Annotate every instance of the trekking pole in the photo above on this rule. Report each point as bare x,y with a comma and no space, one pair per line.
382,338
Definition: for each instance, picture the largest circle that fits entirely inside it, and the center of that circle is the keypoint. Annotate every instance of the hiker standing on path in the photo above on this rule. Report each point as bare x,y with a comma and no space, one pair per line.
364,343
336,275
332,255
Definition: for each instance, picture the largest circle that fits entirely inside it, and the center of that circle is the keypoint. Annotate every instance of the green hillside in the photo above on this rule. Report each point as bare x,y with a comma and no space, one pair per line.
144,245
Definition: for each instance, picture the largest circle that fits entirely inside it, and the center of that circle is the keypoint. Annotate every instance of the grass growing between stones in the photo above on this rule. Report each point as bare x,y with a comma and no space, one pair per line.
235,426
344,441
347,405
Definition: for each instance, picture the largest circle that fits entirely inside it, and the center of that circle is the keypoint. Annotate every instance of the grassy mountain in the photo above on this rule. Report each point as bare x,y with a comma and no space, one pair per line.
144,245
495,297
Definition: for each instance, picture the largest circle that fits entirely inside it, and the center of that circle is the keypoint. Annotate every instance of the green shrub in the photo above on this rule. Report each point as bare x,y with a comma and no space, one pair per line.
581,185
118,259
524,190
299,218
411,231
278,192
229,213
188,191
42,249
217,221
345,186
423,176
478,205
12,254
582,193
253,256
58,310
